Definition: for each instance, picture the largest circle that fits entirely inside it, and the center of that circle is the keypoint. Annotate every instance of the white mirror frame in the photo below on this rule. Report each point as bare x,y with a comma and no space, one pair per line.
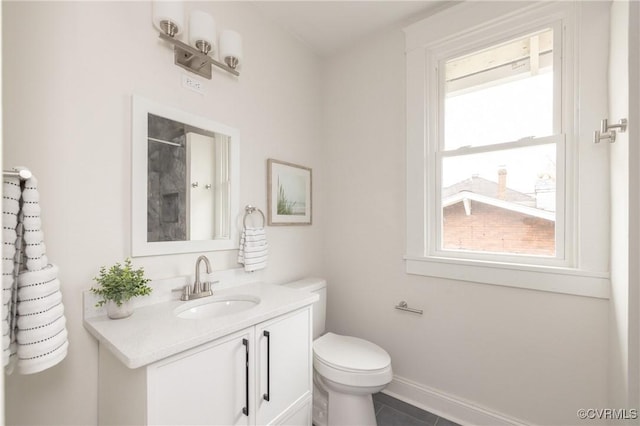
141,107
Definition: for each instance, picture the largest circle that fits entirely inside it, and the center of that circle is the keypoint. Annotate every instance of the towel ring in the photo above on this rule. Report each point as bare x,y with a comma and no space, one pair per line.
249,210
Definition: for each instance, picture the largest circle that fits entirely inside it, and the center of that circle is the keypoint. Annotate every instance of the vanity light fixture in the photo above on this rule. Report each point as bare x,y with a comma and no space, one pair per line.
196,57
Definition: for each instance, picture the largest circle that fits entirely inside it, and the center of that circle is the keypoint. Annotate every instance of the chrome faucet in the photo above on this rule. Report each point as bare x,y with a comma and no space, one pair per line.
197,286
199,289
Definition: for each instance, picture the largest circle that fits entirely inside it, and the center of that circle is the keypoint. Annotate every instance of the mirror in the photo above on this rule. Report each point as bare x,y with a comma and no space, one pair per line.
184,182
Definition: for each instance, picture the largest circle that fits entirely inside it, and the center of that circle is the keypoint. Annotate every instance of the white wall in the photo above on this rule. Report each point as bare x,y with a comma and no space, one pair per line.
69,69
619,108
624,362
511,353
634,111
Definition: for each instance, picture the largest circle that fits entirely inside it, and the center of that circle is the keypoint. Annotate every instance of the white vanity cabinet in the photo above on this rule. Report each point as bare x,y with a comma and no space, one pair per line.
223,382
206,385
284,358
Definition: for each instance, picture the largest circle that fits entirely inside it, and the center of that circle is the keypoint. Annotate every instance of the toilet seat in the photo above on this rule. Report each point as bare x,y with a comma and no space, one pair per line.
351,361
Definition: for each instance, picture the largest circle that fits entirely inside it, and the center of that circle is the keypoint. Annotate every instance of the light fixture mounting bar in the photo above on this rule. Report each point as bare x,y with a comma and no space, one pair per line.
193,60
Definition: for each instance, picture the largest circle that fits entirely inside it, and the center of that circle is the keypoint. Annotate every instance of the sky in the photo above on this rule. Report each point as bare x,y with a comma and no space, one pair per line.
501,113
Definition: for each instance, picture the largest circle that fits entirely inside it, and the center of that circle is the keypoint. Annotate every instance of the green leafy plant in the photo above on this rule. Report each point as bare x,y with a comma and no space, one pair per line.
120,284
284,205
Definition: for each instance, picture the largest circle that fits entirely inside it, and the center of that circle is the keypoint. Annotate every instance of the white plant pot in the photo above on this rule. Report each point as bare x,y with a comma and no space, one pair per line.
118,312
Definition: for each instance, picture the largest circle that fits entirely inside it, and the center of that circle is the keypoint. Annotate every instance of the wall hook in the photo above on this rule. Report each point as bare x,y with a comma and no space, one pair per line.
608,131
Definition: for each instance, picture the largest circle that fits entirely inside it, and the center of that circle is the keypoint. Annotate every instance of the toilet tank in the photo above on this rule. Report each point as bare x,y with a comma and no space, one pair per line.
319,286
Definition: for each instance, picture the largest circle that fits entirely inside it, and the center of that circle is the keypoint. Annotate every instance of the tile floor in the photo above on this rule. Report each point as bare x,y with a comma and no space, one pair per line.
393,412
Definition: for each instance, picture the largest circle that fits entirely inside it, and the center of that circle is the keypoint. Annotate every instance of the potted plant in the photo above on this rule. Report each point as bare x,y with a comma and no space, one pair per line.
118,285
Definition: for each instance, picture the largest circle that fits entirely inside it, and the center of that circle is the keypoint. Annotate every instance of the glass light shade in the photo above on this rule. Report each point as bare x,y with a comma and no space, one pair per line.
230,45
202,27
172,11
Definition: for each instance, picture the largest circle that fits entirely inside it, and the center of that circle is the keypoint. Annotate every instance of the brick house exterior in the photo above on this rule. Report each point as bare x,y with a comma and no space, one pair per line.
481,215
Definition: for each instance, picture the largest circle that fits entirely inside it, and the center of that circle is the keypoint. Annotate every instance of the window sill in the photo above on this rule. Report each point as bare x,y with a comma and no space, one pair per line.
543,278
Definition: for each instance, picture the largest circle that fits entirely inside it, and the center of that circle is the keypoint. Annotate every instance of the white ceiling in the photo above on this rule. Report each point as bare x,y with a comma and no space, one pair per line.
330,26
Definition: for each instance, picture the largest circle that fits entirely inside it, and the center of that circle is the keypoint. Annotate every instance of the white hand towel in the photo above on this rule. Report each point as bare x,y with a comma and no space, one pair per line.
251,256
253,250
254,234
255,266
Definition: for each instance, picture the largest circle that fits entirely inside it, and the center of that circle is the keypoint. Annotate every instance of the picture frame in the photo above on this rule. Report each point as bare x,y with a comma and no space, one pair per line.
289,194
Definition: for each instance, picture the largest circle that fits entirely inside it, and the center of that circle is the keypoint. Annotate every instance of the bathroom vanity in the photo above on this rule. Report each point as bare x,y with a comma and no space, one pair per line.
240,357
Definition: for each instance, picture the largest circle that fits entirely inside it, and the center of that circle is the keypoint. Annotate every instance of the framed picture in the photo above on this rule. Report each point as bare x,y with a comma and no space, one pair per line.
288,193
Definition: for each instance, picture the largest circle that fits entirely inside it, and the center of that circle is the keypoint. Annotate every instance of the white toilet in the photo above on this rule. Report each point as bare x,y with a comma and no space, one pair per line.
347,370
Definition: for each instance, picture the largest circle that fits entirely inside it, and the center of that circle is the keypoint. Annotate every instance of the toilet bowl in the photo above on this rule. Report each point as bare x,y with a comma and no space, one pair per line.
347,370
350,370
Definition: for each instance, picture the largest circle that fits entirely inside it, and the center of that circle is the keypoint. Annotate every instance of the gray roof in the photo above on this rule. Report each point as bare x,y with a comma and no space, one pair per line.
488,188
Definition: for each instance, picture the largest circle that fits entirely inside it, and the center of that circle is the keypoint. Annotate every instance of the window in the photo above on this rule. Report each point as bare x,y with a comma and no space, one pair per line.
496,129
497,152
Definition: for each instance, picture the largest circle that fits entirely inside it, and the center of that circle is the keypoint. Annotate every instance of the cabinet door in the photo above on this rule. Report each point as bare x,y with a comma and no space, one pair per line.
206,385
284,359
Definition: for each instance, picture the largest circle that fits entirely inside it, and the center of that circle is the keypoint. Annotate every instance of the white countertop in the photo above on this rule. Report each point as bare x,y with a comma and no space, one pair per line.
154,331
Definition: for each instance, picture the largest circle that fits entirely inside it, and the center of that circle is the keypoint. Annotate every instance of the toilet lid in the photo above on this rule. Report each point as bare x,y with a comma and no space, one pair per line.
350,353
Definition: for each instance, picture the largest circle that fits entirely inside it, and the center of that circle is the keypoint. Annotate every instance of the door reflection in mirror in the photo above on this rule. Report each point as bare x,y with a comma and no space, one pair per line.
188,188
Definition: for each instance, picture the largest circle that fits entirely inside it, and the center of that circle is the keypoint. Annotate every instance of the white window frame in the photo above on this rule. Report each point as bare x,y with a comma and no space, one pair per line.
469,43
471,27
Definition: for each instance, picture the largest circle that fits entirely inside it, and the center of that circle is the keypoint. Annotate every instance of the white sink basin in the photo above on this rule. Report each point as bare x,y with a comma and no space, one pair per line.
213,307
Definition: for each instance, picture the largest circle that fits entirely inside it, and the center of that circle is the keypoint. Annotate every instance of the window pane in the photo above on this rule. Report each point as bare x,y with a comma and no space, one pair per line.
500,94
500,202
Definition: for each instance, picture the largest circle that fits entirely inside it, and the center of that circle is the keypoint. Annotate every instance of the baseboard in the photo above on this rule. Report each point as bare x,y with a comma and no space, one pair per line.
445,405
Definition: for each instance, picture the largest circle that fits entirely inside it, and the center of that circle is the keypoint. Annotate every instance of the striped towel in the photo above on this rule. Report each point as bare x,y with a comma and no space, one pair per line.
38,322
42,333
253,249
10,256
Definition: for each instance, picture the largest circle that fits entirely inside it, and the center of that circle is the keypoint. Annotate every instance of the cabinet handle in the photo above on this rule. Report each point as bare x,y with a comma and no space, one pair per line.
267,335
245,410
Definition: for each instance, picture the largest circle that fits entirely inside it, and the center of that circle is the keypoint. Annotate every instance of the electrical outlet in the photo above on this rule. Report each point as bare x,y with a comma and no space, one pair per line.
192,84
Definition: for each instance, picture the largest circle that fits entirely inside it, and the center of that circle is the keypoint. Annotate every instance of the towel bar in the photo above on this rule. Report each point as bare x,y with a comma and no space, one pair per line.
23,174
404,307
249,210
